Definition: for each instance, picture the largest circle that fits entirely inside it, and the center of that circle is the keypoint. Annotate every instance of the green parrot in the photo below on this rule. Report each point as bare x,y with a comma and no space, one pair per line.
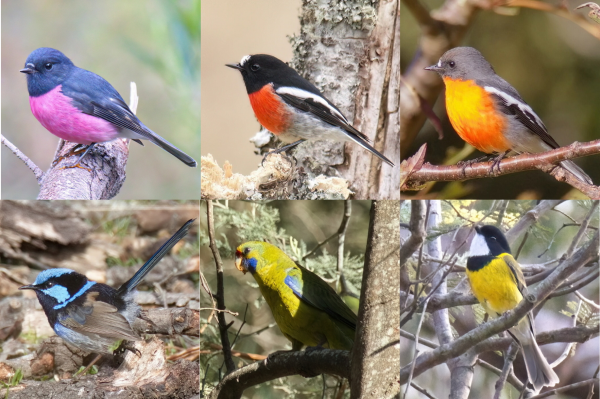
306,308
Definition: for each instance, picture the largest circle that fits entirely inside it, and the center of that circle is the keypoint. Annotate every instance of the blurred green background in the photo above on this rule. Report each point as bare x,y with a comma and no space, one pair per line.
155,43
555,66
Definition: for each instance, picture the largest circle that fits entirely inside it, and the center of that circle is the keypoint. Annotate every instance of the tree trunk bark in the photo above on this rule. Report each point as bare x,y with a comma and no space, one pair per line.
105,177
351,51
376,353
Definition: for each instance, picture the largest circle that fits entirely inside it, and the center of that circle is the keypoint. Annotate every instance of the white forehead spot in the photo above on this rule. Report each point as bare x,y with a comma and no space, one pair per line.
439,64
244,60
479,246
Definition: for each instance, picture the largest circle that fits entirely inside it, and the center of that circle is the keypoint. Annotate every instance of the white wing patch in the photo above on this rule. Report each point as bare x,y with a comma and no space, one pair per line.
527,110
303,94
244,60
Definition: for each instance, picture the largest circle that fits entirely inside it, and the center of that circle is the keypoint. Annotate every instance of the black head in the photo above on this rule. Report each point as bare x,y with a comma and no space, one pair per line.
463,63
488,240
261,69
46,68
56,288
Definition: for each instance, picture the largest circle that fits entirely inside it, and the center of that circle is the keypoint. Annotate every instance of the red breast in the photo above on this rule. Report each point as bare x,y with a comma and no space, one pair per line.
270,110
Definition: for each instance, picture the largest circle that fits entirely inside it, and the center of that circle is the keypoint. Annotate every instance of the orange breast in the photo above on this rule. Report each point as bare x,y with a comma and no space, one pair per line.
270,110
472,113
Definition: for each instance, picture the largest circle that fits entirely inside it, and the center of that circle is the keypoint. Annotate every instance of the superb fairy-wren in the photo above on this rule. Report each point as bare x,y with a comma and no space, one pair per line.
89,315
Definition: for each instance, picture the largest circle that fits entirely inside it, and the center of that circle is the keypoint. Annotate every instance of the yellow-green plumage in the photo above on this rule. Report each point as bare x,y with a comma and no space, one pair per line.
306,308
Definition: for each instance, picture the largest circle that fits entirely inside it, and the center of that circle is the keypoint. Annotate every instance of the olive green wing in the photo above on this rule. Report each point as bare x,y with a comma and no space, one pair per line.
311,289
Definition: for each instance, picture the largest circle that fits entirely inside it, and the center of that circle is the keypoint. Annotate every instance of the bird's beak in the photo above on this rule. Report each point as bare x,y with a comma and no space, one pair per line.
28,287
434,68
239,265
29,69
235,66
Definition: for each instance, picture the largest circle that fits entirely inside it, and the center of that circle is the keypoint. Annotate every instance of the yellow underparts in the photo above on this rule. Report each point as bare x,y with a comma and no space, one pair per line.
495,287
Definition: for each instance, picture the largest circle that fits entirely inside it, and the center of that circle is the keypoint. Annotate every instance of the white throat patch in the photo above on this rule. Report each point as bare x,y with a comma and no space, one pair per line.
244,60
479,246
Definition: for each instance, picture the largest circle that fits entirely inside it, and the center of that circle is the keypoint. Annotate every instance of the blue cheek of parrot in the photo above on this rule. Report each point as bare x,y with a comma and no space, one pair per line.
250,264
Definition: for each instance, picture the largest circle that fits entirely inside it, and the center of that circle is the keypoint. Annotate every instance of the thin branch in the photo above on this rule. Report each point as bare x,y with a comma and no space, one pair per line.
510,357
220,295
582,229
306,363
511,378
39,175
342,236
567,349
422,390
416,352
566,388
545,161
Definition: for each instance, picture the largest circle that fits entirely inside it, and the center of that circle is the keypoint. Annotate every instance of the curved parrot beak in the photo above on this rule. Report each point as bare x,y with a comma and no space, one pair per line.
239,263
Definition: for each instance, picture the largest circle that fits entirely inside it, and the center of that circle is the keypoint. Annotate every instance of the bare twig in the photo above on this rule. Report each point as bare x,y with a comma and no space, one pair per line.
544,161
510,357
582,230
567,349
39,175
416,351
220,295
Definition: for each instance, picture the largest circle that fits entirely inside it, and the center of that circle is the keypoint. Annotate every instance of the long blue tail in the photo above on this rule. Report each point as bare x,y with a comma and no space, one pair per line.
153,261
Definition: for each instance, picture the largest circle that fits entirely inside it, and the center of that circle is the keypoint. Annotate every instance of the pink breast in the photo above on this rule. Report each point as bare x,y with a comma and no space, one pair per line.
56,113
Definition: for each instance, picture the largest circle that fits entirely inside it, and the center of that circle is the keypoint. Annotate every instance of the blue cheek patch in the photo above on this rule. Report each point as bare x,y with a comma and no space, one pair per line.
295,285
57,292
250,264
63,296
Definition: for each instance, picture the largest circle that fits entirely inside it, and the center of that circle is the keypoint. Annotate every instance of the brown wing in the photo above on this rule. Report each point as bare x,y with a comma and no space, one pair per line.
99,318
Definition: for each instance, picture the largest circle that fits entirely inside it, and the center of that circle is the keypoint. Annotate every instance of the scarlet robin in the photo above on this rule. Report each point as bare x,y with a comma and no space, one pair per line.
488,113
292,108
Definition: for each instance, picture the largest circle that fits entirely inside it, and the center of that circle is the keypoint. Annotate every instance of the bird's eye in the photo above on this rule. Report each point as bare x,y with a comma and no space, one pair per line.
255,67
49,284
493,238
246,251
48,66
452,64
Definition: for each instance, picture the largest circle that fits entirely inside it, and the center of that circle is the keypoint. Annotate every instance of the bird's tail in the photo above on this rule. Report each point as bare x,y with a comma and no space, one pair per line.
360,141
170,148
539,372
577,171
153,261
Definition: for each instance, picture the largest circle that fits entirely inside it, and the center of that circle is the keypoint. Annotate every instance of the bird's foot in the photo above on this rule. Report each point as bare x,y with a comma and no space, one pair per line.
78,149
496,162
280,150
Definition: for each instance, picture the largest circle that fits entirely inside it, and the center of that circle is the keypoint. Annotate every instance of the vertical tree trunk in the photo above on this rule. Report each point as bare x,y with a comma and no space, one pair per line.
351,51
376,352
